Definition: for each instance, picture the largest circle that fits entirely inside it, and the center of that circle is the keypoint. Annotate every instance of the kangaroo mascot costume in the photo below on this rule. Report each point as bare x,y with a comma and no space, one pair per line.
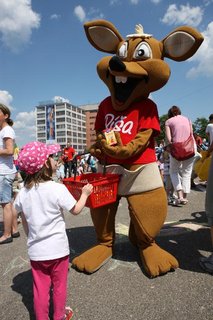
135,69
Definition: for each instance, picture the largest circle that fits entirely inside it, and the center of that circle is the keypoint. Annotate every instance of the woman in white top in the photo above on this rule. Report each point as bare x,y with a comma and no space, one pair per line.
7,173
209,130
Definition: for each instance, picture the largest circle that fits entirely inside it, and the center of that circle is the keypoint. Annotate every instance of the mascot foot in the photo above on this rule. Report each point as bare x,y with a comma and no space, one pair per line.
157,261
92,259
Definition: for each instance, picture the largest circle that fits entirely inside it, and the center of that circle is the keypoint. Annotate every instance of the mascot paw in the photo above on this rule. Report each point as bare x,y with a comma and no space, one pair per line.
92,259
157,261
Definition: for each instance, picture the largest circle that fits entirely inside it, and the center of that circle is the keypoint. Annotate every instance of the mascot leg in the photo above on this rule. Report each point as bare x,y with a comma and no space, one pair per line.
104,222
148,212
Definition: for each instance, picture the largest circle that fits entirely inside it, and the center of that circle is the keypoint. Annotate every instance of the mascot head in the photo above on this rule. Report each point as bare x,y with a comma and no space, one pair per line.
137,66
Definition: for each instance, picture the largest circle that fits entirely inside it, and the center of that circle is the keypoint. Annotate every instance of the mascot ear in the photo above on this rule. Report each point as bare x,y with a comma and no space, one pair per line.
103,35
182,43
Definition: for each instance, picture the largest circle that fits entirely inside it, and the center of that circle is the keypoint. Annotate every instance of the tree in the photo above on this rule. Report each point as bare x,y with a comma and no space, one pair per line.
199,126
161,136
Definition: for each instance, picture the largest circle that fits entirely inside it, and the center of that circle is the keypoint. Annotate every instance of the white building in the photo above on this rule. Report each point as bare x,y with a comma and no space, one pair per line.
61,122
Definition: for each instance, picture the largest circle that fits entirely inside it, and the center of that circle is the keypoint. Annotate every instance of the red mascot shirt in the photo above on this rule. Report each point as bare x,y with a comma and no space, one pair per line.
140,116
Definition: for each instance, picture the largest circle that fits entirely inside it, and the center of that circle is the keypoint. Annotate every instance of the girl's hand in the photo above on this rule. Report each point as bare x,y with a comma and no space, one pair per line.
87,189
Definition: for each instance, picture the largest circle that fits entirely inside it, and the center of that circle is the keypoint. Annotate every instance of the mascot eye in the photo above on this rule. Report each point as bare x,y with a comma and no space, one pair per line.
143,51
122,52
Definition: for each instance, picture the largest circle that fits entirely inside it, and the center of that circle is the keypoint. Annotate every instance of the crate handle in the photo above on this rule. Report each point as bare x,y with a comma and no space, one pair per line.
104,166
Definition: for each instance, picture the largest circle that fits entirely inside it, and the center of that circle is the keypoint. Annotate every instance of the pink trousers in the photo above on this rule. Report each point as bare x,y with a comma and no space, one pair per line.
46,274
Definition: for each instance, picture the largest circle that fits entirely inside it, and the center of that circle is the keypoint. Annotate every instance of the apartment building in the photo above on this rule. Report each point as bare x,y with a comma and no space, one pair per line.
90,112
61,122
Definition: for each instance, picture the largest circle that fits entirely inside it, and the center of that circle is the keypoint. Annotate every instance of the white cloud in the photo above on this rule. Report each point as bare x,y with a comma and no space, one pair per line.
6,98
59,99
114,2
92,14
17,19
80,13
184,15
155,1
25,127
134,1
55,16
204,56
207,2
24,122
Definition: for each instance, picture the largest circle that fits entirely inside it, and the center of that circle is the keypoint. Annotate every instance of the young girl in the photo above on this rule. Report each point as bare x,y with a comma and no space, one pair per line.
41,202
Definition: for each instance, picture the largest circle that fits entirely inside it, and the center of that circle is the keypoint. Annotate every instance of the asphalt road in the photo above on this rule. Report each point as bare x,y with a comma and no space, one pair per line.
120,289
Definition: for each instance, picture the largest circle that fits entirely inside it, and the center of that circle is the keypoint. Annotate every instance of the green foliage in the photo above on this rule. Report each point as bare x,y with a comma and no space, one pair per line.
161,136
199,126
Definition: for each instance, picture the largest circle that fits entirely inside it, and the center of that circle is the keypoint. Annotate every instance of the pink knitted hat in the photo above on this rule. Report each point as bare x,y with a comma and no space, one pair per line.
33,155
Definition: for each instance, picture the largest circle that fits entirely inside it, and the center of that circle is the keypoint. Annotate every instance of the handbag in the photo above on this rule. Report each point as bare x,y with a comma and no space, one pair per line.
183,150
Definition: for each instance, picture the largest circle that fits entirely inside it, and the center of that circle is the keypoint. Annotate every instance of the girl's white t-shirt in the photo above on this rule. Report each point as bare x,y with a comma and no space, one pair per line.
43,207
6,162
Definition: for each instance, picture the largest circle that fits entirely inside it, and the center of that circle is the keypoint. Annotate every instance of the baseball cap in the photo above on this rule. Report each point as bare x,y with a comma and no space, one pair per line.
33,155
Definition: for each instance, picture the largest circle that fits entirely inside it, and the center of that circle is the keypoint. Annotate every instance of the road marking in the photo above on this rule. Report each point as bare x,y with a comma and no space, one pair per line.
18,262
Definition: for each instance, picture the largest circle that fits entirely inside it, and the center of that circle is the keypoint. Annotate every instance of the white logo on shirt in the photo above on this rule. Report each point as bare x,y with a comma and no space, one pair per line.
118,124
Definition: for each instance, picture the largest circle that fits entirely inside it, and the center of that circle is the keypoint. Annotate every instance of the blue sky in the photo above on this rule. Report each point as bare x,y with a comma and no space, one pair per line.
44,54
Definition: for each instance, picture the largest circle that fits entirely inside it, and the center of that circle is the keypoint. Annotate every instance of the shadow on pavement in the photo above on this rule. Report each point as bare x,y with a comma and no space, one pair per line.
22,283
80,239
186,239
179,239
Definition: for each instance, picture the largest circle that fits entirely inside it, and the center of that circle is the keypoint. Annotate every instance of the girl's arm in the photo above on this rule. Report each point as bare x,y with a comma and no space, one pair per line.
9,147
86,191
24,223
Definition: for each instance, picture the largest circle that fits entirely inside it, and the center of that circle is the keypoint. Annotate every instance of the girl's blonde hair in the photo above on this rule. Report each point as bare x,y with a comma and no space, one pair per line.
44,174
5,111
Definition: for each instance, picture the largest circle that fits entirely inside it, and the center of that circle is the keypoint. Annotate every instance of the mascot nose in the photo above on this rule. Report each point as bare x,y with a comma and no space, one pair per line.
116,64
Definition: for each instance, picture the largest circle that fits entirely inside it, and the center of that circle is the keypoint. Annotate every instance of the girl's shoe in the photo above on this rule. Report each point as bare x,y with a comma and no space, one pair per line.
68,313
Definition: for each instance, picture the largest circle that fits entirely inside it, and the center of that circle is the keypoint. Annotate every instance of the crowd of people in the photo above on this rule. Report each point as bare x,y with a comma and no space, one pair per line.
22,193
71,164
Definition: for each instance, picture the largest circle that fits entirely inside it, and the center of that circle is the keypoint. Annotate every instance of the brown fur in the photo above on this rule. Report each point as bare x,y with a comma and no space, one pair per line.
147,210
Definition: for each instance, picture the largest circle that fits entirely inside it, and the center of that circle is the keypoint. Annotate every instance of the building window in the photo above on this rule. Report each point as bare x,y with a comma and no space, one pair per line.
60,113
41,115
41,135
40,121
40,108
41,128
60,140
60,133
60,126
60,119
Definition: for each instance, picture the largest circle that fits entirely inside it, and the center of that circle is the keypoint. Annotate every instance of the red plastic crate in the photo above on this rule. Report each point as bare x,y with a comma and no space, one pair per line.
105,188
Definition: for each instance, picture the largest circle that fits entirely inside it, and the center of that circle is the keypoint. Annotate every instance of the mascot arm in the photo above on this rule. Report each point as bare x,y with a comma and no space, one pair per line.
96,148
134,147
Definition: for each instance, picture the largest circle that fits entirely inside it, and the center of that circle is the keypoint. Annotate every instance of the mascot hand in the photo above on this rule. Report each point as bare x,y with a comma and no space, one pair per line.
131,149
96,148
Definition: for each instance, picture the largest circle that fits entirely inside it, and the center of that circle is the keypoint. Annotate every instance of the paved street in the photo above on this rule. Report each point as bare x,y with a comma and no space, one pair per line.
120,290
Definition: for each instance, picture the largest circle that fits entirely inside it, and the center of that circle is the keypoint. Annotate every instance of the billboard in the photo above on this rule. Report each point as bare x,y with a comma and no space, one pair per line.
50,124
